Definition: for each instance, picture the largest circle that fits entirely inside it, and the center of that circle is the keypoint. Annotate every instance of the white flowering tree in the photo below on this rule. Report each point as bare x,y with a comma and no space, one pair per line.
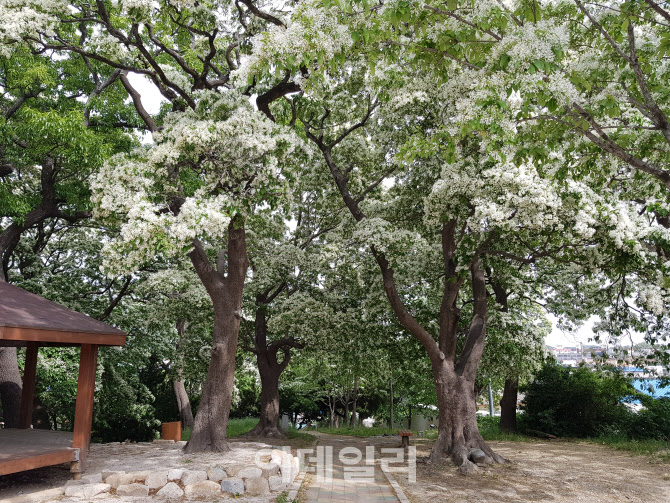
213,158
284,263
587,80
194,188
458,202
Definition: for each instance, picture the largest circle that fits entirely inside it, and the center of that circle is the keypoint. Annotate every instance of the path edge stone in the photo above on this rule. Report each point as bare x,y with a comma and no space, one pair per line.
400,494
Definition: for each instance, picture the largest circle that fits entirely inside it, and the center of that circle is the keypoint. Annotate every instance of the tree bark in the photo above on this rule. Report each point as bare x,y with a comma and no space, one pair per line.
10,387
508,406
225,290
458,433
269,367
183,402
268,425
354,419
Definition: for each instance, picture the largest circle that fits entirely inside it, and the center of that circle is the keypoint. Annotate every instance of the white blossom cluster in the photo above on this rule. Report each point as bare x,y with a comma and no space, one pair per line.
21,18
235,153
312,37
386,237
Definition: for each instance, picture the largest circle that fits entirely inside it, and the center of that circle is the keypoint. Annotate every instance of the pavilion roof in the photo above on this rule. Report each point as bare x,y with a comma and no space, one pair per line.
26,317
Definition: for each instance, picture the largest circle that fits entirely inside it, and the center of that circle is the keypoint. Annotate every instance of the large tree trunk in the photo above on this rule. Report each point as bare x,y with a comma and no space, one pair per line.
10,387
458,433
211,420
183,402
268,425
269,367
508,406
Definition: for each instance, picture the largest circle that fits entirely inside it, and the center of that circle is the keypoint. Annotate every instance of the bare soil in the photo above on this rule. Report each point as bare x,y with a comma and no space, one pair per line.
565,472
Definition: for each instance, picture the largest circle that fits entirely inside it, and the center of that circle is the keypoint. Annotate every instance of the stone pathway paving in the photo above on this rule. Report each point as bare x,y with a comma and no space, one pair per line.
349,482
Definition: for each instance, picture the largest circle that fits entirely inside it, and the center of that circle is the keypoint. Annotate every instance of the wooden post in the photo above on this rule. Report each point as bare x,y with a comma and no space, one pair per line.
83,411
28,392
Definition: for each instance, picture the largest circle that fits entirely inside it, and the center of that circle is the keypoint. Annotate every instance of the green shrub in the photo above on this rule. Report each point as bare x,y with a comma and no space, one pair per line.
652,422
124,409
576,402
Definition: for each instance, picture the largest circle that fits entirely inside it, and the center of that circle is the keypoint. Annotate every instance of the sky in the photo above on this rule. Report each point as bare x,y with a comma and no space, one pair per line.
151,99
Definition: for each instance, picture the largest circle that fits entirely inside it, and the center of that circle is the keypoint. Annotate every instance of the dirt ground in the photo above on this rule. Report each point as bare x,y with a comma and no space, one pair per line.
543,471
565,472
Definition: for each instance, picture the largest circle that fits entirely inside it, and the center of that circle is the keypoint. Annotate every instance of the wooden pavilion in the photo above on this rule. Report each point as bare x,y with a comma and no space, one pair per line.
30,321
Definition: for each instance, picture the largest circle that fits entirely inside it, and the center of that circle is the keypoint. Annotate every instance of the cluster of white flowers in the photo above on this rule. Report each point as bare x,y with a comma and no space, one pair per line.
20,18
237,151
103,44
386,237
532,41
307,318
313,32
653,298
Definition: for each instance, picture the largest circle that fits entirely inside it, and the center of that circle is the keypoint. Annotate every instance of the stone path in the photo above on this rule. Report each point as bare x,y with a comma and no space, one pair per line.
349,482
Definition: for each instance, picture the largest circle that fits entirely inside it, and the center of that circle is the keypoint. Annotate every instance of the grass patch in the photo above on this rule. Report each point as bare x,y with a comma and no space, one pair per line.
292,433
489,427
236,427
660,449
299,439
359,431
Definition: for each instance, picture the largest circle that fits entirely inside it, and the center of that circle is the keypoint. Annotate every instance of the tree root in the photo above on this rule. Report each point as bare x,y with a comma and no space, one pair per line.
192,447
259,431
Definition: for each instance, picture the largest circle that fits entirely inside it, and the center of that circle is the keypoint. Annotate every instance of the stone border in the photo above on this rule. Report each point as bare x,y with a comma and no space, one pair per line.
400,494
274,471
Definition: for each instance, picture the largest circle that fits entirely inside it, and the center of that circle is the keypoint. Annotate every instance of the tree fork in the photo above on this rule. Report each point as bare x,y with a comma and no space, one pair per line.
225,290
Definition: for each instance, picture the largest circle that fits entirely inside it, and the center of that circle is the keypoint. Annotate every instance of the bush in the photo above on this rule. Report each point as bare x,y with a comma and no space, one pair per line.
576,402
124,408
652,422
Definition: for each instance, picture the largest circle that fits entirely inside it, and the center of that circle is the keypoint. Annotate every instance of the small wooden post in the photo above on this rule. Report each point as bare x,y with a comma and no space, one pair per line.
83,411
28,392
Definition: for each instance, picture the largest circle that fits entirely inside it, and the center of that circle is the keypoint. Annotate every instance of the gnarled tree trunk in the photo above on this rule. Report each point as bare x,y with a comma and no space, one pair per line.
225,290
269,368
458,433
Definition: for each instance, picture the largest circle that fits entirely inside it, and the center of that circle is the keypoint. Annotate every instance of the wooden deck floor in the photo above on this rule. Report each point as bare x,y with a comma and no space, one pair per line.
27,449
